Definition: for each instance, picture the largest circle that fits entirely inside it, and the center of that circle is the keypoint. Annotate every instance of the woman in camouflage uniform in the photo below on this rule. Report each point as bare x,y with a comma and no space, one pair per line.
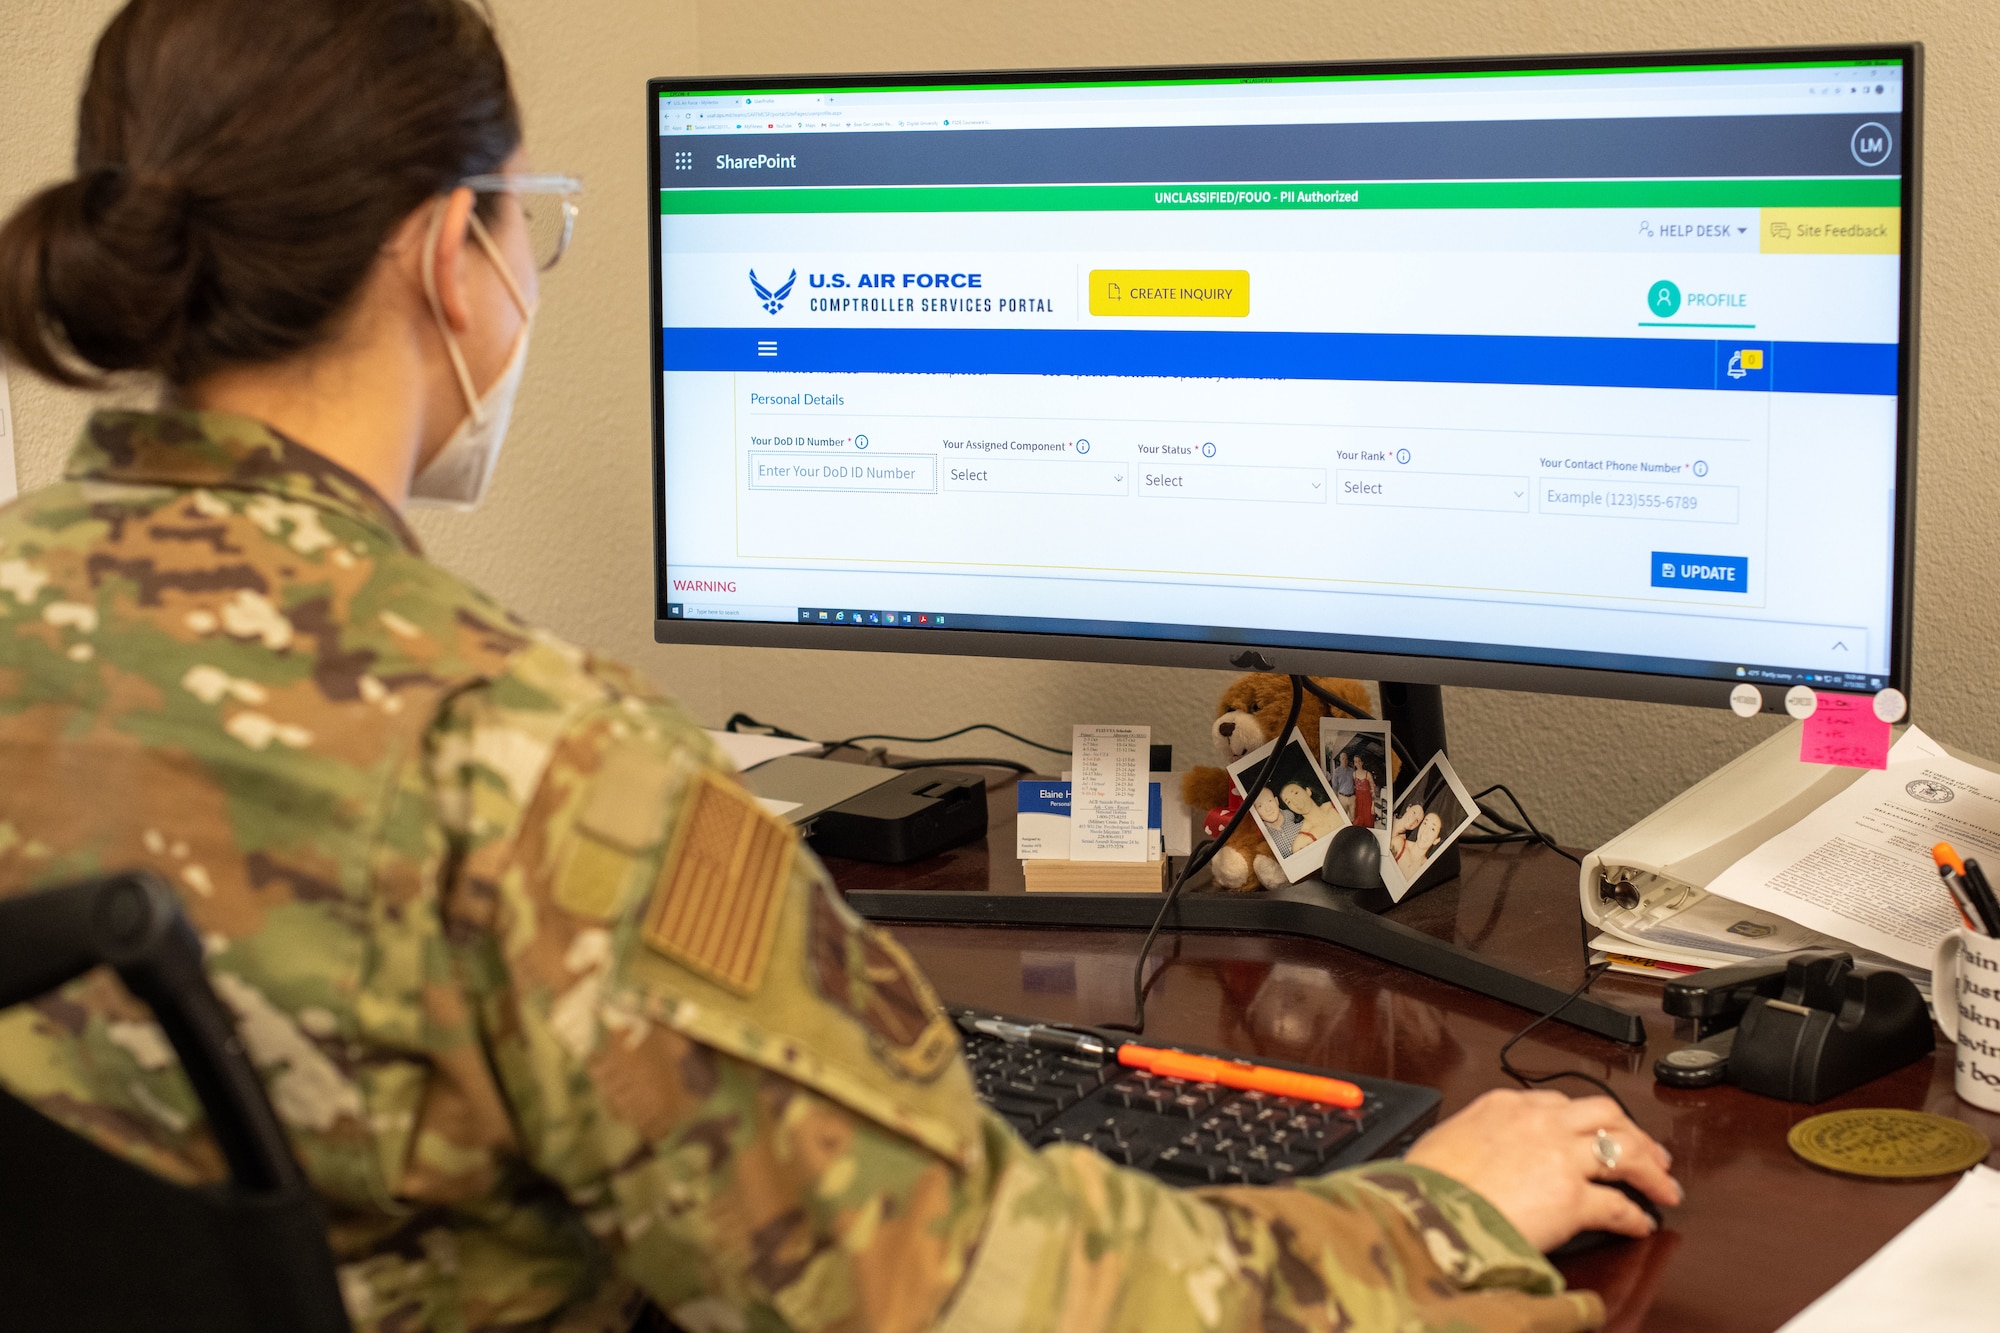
564,1028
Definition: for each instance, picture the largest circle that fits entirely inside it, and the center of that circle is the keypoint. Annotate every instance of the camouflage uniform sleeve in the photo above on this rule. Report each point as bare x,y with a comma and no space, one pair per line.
1075,1242
756,1104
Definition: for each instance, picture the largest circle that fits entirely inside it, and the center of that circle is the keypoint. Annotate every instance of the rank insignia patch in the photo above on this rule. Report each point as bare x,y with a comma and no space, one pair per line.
722,886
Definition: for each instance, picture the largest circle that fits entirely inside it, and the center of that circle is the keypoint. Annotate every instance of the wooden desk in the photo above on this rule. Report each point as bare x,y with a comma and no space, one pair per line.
1761,1234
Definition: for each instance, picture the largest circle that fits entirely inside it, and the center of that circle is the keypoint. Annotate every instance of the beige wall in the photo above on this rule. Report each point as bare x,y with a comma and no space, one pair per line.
566,536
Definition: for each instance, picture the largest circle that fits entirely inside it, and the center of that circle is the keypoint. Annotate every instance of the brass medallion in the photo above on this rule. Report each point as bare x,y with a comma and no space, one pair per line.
1888,1144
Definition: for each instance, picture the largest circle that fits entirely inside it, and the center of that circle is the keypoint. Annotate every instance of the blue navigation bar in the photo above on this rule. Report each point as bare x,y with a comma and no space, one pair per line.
1436,358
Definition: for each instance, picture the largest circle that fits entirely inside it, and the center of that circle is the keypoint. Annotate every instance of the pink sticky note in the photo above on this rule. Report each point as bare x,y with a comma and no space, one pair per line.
1844,730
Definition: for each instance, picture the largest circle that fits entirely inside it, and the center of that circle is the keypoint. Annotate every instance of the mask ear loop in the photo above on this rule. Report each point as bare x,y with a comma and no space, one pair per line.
492,249
429,266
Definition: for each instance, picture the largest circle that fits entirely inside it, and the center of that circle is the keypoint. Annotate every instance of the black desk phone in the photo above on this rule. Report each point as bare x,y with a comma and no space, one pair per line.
1801,1027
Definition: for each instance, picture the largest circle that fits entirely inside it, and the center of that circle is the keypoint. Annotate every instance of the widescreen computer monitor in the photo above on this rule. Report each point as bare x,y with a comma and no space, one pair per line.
1585,374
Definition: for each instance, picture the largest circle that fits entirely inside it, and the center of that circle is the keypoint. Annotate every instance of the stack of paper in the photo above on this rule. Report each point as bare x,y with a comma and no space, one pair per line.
1937,1276
1853,873
1676,933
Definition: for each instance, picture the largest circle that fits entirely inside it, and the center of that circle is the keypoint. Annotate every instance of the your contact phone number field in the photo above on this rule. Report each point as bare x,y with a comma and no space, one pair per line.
1687,504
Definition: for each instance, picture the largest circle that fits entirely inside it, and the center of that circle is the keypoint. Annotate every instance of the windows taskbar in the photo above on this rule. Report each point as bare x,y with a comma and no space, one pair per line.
851,616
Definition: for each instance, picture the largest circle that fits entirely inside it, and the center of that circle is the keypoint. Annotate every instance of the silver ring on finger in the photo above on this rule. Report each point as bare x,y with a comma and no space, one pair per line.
1607,1150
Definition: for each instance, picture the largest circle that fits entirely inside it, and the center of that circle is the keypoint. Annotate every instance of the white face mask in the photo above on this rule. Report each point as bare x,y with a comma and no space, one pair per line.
458,474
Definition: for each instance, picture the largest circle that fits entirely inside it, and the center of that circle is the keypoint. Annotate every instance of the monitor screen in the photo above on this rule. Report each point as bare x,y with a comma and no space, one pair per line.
1590,374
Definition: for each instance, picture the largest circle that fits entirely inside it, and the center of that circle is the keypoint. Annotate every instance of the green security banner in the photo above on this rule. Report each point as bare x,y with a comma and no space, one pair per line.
1833,192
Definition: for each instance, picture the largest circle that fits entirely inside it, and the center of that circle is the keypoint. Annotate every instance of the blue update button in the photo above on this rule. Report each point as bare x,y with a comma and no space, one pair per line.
1702,573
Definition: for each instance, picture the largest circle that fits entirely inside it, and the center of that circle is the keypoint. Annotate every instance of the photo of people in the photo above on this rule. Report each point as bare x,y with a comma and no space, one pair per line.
1430,813
1296,811
1355,758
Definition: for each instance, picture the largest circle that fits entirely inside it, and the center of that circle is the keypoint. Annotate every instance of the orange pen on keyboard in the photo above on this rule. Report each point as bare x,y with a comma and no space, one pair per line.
1236,1074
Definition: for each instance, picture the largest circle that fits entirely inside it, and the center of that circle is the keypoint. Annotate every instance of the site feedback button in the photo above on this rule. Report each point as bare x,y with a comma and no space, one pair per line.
1703,573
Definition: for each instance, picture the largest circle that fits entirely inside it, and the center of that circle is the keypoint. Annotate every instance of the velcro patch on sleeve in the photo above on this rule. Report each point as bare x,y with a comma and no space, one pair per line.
721,889
609,858
628,799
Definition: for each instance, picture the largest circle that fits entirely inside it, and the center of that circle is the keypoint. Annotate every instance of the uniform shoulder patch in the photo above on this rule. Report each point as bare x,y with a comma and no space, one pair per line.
610,854
866,974
721,889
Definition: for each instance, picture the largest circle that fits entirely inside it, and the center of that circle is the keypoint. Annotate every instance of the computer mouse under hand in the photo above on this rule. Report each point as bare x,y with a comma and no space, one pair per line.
1583,1242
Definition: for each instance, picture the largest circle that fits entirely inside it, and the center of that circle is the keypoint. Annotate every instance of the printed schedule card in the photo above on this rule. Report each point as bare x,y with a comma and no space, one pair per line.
1108,782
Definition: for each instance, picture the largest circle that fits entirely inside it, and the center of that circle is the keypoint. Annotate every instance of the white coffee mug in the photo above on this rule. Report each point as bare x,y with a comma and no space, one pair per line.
1965,991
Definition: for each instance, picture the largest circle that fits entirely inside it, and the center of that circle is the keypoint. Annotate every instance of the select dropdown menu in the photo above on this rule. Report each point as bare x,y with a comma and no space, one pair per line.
1286,485
1433,490
1039,476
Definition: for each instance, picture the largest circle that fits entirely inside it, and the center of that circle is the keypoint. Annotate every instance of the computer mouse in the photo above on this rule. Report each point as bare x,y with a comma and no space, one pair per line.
1583,1242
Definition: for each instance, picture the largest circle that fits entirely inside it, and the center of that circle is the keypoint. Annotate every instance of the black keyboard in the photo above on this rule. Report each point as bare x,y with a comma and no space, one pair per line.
1185,1132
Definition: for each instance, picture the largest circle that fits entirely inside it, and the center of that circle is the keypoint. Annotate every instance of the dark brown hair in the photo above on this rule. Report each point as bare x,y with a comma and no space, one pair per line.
239,165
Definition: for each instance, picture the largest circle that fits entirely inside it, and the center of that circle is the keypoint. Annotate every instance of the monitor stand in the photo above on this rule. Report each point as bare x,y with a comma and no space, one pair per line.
1352,919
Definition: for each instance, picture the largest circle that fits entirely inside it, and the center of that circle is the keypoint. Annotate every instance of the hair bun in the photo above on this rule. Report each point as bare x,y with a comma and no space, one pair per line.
116,266
213,223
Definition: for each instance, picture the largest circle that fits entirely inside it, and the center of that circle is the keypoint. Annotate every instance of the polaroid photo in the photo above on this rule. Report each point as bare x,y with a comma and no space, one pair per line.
1354,755
1430,813
1295,811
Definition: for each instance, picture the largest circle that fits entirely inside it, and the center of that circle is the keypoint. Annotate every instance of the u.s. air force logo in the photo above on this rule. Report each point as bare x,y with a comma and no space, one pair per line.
773,301
1930,791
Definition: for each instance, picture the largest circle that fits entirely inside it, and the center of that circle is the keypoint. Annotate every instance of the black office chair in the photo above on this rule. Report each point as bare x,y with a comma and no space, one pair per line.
90,1242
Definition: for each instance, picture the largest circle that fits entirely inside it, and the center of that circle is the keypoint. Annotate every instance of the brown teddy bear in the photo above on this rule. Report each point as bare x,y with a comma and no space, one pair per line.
1249,714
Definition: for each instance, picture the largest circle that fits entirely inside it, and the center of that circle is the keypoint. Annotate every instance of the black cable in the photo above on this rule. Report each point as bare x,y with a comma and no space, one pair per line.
1489,829
740,721
1021,768
1205,853
1507,1066
1527,824
1527,831
849,743
745,722
1479,838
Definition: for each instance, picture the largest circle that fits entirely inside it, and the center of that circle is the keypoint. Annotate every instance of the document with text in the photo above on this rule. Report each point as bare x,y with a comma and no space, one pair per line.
1859,868
1108,793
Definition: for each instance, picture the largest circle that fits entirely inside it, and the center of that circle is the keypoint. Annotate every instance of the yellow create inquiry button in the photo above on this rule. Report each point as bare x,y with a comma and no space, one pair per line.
1830,231
1170,291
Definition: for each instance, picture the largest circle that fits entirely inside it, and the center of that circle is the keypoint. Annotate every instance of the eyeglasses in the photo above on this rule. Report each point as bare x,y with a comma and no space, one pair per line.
548,206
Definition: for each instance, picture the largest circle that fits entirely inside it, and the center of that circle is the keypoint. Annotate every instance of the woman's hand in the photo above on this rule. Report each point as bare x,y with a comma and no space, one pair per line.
1533,1155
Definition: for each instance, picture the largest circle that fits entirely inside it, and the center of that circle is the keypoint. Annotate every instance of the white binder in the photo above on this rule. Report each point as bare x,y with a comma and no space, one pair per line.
1670,856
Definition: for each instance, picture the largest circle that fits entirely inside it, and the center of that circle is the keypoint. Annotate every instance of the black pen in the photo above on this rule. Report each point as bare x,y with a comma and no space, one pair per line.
1982,897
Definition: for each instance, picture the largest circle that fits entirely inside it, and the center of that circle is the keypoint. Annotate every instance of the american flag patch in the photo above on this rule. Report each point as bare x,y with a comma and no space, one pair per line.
721,888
